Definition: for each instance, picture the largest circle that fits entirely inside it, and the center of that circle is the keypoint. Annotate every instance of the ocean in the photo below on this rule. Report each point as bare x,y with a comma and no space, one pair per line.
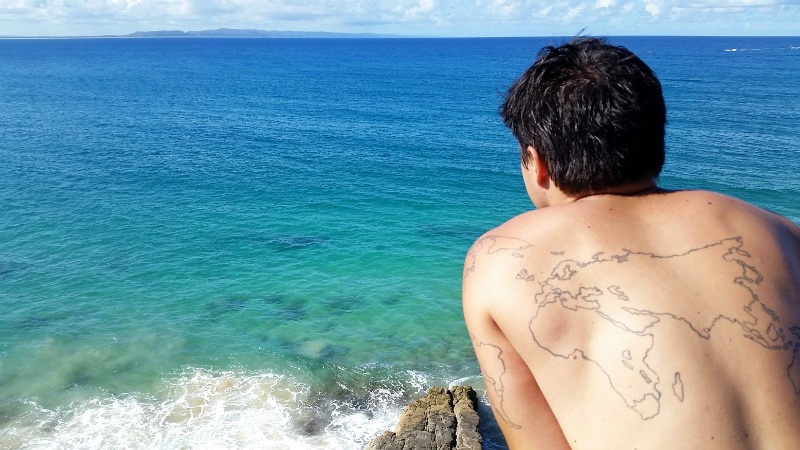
258,243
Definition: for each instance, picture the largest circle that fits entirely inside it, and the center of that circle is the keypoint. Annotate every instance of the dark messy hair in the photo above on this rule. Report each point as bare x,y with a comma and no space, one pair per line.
594,113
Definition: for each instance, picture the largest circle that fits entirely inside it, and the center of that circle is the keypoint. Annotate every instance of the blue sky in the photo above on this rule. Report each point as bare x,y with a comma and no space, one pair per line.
406,17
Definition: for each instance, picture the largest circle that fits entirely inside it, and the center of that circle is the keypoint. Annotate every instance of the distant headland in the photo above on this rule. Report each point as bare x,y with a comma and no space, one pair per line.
251,33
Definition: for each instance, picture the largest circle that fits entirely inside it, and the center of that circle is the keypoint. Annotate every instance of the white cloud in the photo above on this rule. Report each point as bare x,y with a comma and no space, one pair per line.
21,4
544,12
424,6
654,7
500,8
732,3
604,4
572,13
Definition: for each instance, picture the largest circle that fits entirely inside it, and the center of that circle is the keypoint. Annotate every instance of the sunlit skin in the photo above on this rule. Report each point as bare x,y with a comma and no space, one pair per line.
638,318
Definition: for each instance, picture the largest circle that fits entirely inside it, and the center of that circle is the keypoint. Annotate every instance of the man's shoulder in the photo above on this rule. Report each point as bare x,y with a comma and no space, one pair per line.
537,225
733,209
705,199
511,249
495,251
515,236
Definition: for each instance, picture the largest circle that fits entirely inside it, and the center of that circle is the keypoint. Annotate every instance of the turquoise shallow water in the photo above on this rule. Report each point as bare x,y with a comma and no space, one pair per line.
239,242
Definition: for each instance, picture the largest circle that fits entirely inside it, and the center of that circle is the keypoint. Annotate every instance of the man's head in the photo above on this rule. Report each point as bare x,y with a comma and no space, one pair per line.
594,114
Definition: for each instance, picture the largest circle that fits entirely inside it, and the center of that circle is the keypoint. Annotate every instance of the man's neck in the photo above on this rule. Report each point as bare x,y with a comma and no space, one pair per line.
634,189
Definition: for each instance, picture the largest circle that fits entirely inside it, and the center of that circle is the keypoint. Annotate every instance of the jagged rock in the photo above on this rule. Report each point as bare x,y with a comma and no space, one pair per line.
442,420
465,401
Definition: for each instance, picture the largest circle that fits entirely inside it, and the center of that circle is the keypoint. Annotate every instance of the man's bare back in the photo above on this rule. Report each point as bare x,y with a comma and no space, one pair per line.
626,316
660,320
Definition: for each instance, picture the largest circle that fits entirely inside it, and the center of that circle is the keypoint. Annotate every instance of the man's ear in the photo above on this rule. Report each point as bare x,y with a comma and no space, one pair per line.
539,168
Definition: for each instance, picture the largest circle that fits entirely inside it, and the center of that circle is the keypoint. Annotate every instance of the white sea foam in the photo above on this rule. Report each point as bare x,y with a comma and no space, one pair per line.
210,410
744,49
476,381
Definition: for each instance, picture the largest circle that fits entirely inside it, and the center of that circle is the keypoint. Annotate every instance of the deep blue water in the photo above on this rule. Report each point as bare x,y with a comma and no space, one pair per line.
204,241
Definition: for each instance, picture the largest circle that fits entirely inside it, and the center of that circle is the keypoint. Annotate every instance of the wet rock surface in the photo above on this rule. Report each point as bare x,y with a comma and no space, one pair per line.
444,419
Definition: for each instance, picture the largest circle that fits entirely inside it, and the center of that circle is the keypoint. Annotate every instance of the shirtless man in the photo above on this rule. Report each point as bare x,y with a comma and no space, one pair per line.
617,314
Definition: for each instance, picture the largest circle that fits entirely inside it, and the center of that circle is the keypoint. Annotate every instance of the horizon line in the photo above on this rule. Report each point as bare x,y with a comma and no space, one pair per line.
252,33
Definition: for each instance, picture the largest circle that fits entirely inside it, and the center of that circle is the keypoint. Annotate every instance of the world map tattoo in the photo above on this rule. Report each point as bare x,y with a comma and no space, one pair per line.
604,293
628,328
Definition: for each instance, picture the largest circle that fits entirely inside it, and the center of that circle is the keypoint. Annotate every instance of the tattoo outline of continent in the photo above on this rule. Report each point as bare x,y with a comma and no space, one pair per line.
491,244
758,322
496,383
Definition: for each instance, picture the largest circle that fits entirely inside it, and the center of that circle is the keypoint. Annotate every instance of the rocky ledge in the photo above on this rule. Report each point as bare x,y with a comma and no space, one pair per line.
442,420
